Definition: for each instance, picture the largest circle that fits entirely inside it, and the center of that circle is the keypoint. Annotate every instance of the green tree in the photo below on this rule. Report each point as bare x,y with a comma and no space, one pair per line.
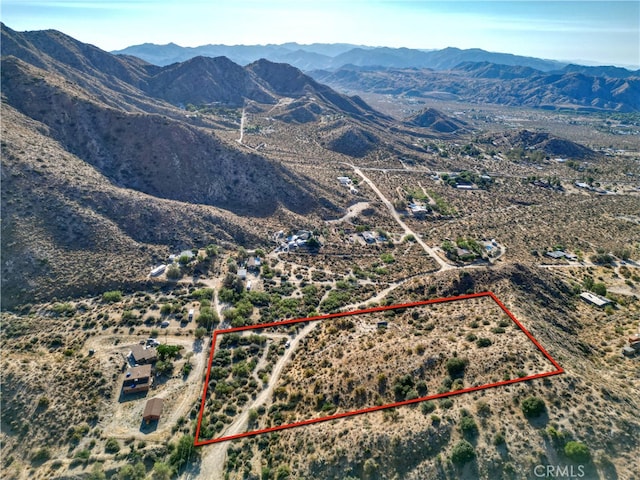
207,318
532,407
173,272
455,366
164,366
168,351
112,296
183,452
462,453
200,332
599,288
577,451
161,471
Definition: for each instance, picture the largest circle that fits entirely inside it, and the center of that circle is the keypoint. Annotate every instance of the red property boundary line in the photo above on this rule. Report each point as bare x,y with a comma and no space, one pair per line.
198,442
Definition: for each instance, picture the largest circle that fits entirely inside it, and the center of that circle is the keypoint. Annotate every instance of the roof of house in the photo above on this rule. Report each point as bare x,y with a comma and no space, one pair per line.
595,299
556,254
138,373
141,354
153,408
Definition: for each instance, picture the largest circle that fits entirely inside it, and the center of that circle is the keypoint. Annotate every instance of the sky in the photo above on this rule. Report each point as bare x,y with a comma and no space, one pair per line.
592,32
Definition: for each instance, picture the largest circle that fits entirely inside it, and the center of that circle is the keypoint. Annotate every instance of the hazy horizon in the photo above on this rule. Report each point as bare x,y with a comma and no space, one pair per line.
588,32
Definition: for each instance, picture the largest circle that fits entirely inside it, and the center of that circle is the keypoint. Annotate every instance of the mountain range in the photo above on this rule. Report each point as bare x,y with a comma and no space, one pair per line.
321,56
472,75
484,82
88,135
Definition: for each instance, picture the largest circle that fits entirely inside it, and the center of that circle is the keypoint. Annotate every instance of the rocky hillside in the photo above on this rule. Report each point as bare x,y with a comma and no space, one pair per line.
485,82
101,172
542,141
436,120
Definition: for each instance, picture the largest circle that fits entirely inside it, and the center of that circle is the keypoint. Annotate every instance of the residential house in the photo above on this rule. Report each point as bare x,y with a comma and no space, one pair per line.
137,379
142,356
254,263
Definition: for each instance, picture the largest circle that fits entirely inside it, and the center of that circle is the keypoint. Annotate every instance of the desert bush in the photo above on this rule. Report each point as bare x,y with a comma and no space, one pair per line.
455,366
173,272
41,455
577,451
532,407
462,453
112,296
111,446
483,342
427,407
468,426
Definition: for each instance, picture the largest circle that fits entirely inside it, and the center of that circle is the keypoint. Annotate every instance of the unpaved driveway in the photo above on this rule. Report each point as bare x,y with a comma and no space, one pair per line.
443,265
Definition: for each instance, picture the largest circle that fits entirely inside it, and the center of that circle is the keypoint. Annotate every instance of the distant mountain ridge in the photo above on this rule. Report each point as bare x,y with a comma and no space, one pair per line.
485,82
332,56
320,56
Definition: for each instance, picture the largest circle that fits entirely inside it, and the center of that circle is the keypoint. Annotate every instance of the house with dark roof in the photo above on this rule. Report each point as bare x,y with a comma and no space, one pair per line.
153,409
137,379
142,356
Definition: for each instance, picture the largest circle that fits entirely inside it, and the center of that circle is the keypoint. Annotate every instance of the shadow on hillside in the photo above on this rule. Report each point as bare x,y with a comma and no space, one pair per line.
540,421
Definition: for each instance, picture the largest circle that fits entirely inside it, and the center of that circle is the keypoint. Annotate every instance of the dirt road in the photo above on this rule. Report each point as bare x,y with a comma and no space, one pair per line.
430,251
212,466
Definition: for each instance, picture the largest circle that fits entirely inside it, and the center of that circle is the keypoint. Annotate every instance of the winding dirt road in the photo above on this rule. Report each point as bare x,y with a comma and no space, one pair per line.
430,251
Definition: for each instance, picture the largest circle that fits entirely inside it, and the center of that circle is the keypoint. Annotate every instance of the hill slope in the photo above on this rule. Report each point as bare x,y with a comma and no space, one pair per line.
498,84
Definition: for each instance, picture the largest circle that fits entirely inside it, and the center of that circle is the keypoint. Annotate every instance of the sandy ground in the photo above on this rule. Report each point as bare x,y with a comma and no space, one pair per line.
179,394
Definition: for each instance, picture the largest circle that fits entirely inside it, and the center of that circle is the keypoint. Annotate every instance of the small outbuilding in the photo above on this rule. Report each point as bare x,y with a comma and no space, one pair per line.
595,299
153,409
628,351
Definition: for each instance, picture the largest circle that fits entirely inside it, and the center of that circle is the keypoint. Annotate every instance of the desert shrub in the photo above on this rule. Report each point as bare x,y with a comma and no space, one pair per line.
532,407
599,288
468,426
173,272
64,309
111,446
41,455
577,451
455,366
112,296
427,407
483,342
462,453
483,409
499,439
132,472
446,404
161,471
